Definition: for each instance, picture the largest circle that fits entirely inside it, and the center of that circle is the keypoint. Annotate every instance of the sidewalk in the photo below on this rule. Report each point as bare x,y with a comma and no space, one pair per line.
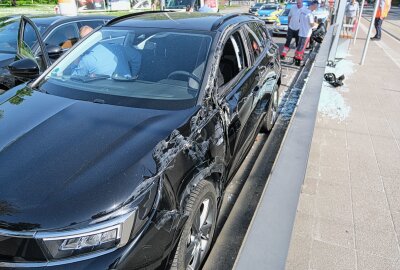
348,216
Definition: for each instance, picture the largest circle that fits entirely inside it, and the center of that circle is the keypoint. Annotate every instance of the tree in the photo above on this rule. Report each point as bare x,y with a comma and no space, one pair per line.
14,3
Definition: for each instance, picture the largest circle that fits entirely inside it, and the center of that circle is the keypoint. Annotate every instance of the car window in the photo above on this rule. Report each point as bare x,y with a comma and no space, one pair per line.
258,38
142,67
233,59
65,36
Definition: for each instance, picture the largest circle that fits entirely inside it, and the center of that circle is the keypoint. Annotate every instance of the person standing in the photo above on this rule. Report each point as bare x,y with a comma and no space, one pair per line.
381,14
306,24
294,26
352,10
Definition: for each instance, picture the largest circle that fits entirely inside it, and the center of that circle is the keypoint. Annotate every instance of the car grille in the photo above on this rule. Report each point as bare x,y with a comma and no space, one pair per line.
16,249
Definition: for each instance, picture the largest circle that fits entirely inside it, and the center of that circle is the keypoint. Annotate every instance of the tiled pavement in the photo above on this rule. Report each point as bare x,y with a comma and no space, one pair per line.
348,215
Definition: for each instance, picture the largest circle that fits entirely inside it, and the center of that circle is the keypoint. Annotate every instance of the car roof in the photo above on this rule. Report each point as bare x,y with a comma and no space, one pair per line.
179,20
52,19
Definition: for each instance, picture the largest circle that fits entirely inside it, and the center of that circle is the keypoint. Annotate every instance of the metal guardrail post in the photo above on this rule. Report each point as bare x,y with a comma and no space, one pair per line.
359,20
339,22
369,32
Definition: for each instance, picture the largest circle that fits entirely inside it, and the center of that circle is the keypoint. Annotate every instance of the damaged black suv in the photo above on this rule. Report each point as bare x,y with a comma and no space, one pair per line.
118,155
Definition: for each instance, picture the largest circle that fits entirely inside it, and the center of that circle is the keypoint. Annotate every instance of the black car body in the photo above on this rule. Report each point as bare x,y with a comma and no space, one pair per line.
98,181
55,30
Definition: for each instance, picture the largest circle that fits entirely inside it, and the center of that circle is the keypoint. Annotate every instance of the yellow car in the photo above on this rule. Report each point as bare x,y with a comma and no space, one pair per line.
269,12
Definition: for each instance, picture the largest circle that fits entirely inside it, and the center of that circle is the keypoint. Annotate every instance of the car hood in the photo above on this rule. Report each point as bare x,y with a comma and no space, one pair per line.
64,162
6,59
265,12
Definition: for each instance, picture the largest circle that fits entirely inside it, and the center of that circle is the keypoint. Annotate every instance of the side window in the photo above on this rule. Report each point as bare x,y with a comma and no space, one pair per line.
91,24
233,59
64,36
257,38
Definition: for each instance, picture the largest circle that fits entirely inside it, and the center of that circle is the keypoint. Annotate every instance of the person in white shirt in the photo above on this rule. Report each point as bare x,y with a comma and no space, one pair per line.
293,27
351,13
306,24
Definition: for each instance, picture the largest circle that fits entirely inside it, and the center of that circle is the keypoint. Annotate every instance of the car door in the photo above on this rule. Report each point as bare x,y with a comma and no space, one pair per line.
30,41
236,88
263,53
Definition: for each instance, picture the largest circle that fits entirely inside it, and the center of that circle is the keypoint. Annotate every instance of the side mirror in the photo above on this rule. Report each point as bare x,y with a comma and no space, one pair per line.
54,51
24,68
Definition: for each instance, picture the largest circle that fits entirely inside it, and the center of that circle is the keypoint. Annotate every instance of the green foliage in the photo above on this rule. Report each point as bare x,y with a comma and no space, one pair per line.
28,2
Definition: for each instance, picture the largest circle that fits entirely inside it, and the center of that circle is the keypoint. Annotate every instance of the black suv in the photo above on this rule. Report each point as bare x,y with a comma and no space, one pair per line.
118,155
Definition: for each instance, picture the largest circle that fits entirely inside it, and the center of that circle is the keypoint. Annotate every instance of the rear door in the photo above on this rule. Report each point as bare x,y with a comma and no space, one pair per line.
264,65
236,90
30,41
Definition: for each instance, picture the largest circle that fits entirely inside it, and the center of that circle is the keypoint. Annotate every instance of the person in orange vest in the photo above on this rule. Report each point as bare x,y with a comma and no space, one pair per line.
381,14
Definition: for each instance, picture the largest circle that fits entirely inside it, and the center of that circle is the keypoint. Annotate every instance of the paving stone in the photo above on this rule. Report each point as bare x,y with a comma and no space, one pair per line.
373,218
392,187
312,171
333,208
336,232
306,204
365,198
396,221
334,175
362,179
380,243
366,261
325,256
303,224
362,162
310,185
333,157
378,127
299,253
358,142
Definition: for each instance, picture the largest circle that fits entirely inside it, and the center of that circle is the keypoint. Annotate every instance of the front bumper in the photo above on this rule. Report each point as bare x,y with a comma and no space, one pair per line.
268,19
149,250
280,30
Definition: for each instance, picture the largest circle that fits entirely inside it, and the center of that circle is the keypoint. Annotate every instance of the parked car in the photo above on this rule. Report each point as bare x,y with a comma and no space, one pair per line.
110,169
269,12
58,32
253,9
281,25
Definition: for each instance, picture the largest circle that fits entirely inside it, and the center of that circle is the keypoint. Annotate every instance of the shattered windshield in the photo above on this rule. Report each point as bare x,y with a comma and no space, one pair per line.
136,67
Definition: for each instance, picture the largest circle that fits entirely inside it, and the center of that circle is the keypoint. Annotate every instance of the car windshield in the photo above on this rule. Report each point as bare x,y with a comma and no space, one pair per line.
286,12
268,7
150,68
178,4
9,34
258,5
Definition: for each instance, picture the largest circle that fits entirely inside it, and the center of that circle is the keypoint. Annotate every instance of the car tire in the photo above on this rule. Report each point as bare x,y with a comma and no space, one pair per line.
272,112
198,231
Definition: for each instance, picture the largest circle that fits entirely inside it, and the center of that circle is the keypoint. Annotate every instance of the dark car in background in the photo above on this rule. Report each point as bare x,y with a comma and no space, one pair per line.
253,9
58,32
118,155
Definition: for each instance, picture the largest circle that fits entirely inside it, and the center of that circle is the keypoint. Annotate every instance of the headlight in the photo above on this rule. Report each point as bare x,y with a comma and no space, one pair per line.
113,231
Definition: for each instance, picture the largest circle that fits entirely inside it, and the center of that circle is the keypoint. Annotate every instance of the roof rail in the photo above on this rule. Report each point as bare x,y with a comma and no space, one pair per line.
225,18
132,15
